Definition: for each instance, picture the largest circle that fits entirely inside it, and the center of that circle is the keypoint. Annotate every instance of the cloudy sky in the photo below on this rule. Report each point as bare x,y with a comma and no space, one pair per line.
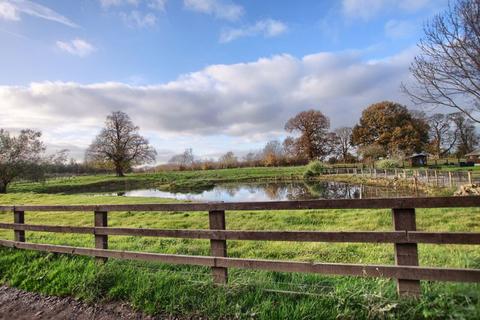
214,75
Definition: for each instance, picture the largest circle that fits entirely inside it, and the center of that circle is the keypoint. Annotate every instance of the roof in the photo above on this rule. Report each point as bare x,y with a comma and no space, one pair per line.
473,153
421,154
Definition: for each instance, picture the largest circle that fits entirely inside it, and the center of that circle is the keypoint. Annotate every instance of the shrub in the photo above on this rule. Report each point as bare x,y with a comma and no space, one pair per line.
388,164
314,168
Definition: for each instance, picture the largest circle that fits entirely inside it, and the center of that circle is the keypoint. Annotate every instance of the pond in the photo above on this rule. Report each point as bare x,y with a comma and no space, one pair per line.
274,191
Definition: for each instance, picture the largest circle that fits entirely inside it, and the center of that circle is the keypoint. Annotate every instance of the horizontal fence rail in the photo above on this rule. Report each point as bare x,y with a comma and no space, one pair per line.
404,237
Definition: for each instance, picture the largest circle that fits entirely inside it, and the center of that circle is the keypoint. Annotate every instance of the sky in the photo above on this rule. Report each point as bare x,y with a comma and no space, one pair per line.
212,75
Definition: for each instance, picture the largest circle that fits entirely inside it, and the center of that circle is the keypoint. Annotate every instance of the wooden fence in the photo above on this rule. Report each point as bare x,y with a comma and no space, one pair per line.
428,177
404,237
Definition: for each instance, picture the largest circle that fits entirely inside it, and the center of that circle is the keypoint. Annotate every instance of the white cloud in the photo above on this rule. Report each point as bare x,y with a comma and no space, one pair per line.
157,4
247,101
10,9
267,28
152,4
136,19
76,47
396,29
117,3
221,9
8,12
367,9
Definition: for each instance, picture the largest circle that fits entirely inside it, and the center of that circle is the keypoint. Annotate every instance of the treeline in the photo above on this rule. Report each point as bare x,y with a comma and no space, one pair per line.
386,130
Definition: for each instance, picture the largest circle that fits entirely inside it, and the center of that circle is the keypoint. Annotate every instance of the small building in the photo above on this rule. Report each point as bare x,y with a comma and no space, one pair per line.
473,156
418,159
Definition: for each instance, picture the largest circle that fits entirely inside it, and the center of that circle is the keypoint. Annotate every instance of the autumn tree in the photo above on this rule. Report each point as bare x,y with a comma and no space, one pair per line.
391,126
447,70
272,153
312,129
467,136
120,144
443,134
20,156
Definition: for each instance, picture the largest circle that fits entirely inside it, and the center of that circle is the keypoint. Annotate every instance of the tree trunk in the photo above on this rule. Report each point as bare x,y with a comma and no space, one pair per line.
119,170
3,188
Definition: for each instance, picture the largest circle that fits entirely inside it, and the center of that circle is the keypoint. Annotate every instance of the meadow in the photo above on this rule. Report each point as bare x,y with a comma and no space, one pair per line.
189,291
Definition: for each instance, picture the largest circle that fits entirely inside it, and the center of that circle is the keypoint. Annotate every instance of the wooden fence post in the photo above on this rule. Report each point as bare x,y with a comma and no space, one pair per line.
101,241
469,177
19,217
218,248
406,254
450,181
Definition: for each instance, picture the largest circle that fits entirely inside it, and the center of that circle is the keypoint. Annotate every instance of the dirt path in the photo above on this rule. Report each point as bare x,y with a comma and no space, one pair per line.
18,304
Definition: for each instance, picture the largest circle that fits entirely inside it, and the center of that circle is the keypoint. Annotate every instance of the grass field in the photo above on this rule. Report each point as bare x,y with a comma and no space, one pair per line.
167,180
183,290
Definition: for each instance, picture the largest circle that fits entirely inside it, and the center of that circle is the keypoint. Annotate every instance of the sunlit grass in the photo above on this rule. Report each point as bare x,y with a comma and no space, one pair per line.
158,288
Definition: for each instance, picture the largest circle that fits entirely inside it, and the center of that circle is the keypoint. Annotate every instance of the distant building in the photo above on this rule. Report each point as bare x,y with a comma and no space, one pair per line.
473,156
418,159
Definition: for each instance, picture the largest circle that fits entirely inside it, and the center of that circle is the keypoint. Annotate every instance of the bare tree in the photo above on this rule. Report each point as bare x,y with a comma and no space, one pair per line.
183,160
312,125
120,144
443,134
228,160
20,156
447,71
467,136
343,142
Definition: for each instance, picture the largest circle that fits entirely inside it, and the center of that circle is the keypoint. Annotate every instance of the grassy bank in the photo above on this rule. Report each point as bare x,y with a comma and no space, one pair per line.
165,180
157,288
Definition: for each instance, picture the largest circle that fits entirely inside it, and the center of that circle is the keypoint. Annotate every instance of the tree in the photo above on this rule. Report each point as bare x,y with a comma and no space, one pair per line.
183,160
120,145
228,160
372,152
272,153
312,126
343,142
442,136
467,137
20,156
447,71
391,126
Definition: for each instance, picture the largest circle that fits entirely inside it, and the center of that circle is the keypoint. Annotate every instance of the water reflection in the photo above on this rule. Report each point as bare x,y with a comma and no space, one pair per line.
274,191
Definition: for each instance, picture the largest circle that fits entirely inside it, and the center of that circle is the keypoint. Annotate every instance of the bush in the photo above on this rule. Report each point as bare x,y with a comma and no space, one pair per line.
314,168
388,164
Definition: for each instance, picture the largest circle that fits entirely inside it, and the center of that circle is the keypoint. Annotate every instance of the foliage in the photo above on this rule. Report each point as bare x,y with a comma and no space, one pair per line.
391,126
447,70
120,143
20,156
314,169
388,164
312,126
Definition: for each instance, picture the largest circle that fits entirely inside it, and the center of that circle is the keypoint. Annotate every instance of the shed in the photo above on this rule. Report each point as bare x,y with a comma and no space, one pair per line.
473,156
418,159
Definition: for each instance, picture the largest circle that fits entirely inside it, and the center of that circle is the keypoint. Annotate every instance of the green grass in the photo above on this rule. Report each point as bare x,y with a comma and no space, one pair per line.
188,290
166,180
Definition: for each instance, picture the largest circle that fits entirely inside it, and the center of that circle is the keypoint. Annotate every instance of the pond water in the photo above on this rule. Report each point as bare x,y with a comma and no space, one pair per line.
274,191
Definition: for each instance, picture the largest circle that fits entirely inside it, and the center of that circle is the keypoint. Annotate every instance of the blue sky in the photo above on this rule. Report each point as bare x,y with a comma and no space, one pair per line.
215,75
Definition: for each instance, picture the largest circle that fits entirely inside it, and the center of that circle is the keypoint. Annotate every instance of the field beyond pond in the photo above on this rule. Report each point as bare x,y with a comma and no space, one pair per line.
184,290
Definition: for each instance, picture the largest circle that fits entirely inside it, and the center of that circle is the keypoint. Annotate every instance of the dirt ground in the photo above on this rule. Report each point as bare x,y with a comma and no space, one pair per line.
18,304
